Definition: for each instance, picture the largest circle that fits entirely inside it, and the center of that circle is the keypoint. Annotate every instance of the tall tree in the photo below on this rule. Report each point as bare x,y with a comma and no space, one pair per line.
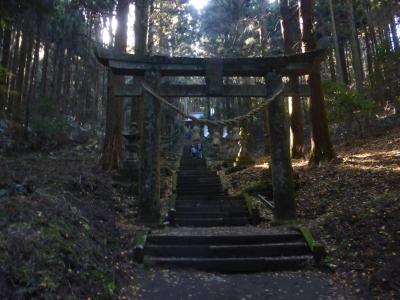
112,151
292,40
5,60
339,69
355,49
321,145
264,52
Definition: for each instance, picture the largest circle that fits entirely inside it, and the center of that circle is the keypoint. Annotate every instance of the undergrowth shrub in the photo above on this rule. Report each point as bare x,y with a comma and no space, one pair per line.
47,126
349,110
344,103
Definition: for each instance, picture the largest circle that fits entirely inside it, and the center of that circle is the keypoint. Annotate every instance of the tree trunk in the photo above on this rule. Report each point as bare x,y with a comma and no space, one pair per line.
339,71
55,63
151,30
28,65
18,100
331,65
355,50
43,80
343,61
321,146
67,82
59,78
369,55
141,26
14,70
264,45
141,29
32,86
112,151
394,35
5,60
291,38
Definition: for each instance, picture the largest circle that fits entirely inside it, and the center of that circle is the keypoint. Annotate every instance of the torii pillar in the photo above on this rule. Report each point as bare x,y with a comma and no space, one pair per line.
281,167
149,174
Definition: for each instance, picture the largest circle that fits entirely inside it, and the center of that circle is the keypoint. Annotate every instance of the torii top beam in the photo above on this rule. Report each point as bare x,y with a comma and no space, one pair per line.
136,65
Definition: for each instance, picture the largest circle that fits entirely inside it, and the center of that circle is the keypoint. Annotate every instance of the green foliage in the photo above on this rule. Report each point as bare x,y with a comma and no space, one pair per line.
343,102
46,125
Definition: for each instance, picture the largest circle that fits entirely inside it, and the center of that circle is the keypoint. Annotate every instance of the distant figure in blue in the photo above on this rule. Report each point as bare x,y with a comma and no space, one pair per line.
194,151
199,150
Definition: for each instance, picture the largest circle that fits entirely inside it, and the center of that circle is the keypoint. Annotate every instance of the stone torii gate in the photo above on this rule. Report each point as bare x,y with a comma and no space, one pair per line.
150,70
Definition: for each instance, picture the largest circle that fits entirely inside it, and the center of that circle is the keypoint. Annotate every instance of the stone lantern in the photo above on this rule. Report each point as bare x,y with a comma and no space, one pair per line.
130,165
196,137
243,158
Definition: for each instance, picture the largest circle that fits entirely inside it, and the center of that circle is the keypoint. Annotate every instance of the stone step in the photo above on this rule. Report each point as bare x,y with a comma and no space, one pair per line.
207,208
189,165
210,192
196,173
223,198
199,180
200,203
211,214
255,250
216,194
232,264
191,169
199,185
224,239
211,222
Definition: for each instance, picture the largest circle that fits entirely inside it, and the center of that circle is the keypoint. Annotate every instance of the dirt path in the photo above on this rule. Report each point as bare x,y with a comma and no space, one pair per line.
164,284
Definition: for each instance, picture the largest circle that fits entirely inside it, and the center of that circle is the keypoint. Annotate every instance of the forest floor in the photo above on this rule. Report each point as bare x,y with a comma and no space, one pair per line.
66,232
352,206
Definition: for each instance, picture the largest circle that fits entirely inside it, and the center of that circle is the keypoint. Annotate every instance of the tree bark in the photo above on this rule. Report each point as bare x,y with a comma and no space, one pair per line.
369,55
395,38
18,100
14,69
5,59
45,64
355,50
67,81
291,38
264,52
343,61
28,66
31,90
339,70
141,29
321,146
141,26
112,150
332,65
55,64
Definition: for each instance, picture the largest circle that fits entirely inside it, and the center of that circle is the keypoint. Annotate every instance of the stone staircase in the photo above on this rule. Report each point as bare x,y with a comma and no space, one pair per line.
214,231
